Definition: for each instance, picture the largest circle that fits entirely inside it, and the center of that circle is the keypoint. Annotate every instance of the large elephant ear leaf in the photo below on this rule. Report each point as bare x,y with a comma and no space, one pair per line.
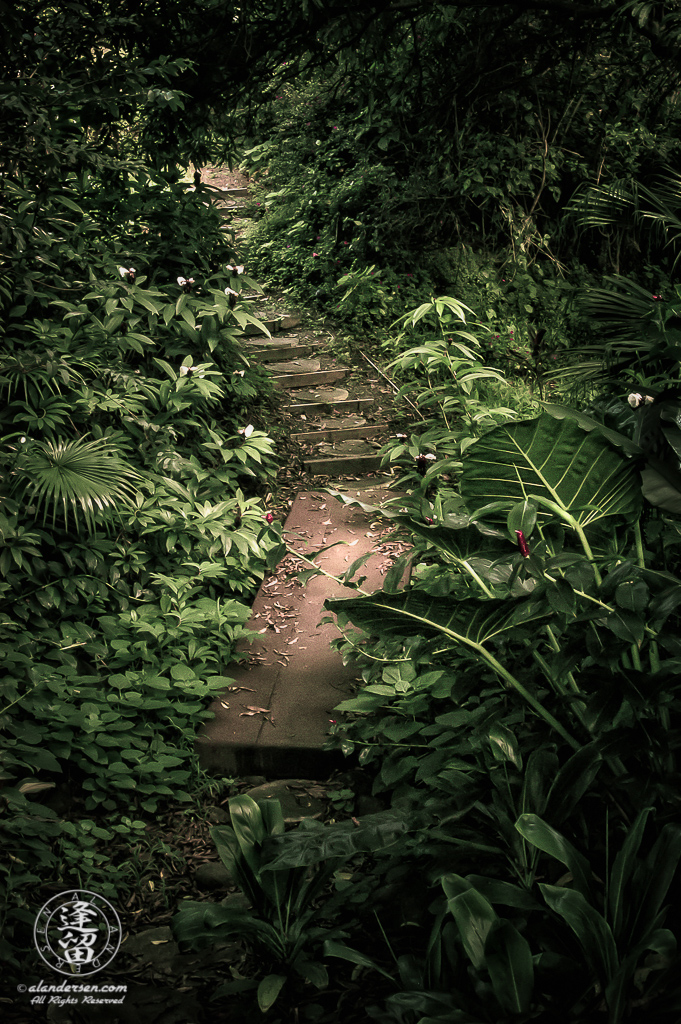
550,460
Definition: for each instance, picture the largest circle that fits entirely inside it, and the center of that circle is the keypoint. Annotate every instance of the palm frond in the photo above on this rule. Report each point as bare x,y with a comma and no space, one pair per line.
84,477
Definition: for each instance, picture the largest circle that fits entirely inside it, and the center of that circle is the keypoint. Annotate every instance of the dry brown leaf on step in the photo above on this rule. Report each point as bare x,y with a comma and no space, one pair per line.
327,522
256,710
238,689
225,704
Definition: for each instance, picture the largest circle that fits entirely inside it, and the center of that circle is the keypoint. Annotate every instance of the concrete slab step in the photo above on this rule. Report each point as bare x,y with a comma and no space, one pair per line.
296,366
331,433
322,394
342,465
275,717
252,331
232,193
273,325
340,406
299,380
273,353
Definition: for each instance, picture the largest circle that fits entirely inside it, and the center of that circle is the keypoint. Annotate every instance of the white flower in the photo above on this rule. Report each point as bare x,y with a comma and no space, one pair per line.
127,272
187,371
238,373
635,400
234,270
186,283
247,431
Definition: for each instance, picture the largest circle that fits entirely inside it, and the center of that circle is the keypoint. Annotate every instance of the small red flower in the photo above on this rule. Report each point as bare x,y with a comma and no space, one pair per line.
269,518
522,544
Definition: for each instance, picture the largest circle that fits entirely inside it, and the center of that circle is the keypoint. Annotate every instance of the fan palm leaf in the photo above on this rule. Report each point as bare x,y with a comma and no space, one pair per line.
84,477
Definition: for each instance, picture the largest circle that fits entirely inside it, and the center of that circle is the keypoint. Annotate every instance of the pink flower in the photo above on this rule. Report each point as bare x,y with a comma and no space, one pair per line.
269,518
315,254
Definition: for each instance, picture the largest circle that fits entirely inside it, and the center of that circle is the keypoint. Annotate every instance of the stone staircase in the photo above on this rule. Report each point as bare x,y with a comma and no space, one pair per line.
331,418
274,719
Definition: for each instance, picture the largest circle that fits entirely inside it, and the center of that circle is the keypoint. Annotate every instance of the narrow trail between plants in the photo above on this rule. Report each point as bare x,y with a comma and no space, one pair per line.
275,717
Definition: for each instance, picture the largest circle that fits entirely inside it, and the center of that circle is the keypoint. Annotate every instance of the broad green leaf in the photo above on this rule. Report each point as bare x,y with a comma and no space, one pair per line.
653,882
503,893
505,745
540,770
227,846
474,917
545,838
312,971
332,948
522,516
469,622
622,870
632,595
593,932
249,828
508,959
269,989
557,462
572,781
561,596
587,423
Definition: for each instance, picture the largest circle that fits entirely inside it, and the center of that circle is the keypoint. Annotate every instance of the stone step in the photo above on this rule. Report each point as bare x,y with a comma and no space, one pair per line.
341,406
342,465
232,193
322,394
275,718
296,366
299,380
332,434
262,354
273,325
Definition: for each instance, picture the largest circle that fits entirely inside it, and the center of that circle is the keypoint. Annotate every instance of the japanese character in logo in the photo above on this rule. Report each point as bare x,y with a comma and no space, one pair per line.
77,932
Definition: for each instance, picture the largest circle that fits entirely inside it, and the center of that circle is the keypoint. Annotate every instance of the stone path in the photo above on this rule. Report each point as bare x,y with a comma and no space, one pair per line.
275,717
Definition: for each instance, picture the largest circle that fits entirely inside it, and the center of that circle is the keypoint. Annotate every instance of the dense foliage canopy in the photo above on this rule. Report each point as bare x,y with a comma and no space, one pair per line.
519,711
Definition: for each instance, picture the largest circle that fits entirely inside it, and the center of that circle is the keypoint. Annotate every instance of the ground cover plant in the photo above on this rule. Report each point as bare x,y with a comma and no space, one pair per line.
133,465
519,714
523,689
